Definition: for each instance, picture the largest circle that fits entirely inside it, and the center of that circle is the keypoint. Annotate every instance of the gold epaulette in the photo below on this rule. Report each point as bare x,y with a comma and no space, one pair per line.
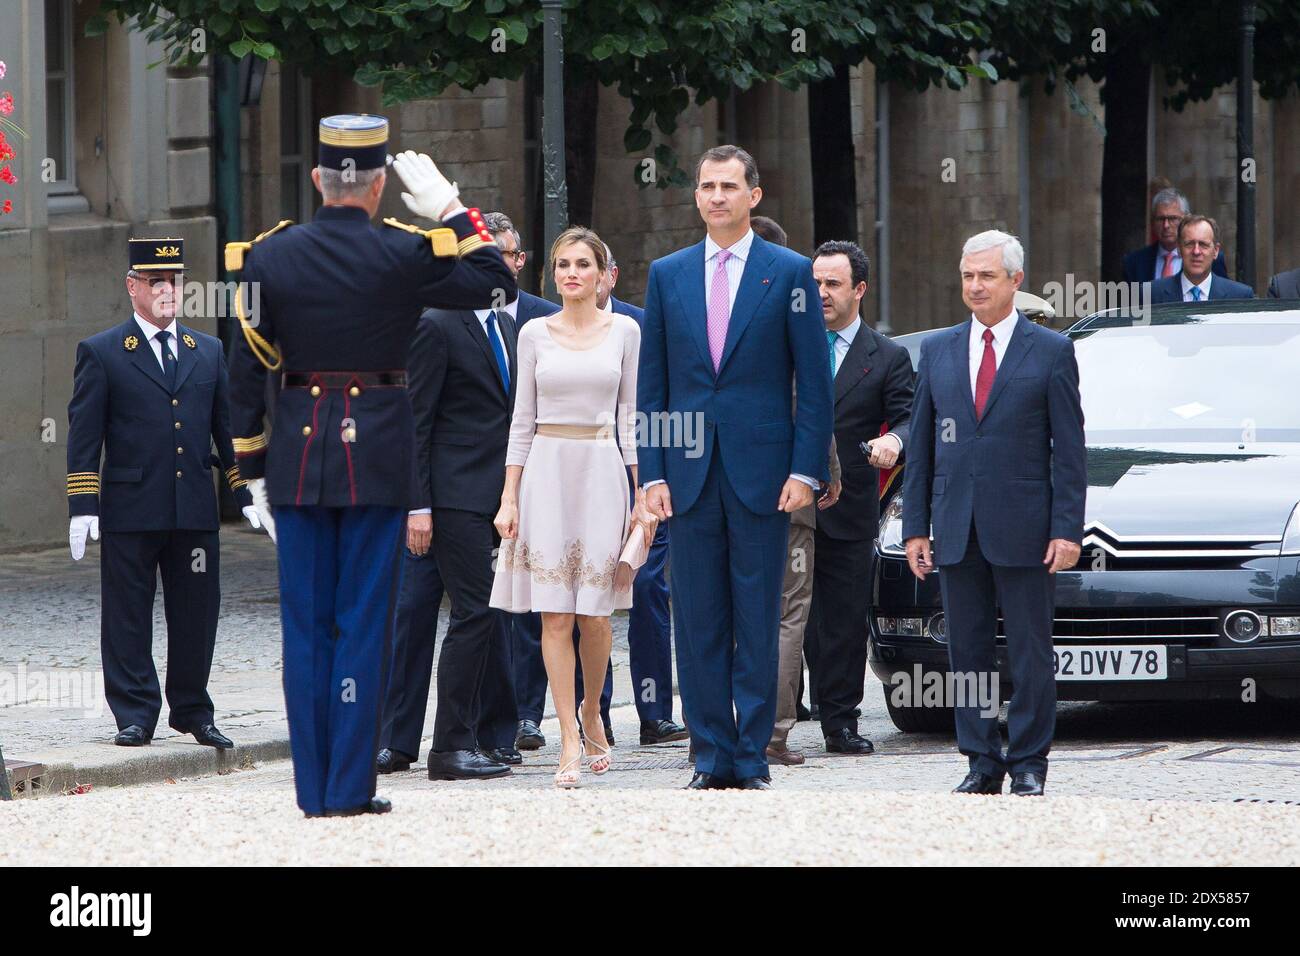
235,251
442,240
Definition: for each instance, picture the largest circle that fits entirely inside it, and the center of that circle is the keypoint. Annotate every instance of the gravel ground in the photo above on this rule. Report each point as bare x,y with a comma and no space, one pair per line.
603,824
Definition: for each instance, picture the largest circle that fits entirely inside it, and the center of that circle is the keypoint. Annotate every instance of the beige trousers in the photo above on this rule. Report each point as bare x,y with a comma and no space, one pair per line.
796,599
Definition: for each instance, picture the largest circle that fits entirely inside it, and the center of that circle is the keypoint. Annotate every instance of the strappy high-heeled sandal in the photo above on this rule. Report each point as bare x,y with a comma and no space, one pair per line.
598,763
570,774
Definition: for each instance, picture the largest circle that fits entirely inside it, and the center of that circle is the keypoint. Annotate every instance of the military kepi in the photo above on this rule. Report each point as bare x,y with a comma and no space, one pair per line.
157,255
362,138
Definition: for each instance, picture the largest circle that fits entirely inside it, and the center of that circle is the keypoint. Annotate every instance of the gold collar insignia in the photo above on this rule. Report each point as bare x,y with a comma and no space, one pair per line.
130,343
189,340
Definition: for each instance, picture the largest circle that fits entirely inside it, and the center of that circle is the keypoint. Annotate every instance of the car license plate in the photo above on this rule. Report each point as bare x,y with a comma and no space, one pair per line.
1111,662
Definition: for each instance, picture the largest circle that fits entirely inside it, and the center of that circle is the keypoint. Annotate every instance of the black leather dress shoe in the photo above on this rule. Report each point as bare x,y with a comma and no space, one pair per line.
846,740
661,732
756,783
1027,784
979,783
392,761
373,805
209,736
529,736
707,781
464,765
505,755
133,736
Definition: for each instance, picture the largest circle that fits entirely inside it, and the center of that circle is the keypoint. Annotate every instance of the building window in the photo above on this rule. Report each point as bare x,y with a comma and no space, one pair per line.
296,190
58,97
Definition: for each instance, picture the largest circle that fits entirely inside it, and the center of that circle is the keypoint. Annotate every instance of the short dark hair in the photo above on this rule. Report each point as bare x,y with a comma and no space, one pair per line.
720,154
769,229
859,264
1193,220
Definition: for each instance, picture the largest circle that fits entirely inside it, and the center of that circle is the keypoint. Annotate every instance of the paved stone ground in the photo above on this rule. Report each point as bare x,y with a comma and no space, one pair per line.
1171,783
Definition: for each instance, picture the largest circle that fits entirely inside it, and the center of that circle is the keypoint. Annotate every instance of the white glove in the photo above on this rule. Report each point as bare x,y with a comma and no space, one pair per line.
77,531
261,516
428,194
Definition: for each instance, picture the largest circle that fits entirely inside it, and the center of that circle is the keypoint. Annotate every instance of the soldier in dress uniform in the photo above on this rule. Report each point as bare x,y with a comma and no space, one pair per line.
330,307
150,397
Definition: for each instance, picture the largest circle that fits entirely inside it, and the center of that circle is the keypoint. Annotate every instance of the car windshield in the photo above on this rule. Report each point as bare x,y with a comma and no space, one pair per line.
1233,378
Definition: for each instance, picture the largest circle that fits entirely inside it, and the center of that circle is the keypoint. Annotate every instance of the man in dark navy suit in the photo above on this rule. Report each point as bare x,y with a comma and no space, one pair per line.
1198,241
331,307
150,397
1163,258
462,370
996,465
731,329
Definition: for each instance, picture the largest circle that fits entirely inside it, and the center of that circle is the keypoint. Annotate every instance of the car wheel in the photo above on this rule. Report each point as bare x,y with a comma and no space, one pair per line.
918,720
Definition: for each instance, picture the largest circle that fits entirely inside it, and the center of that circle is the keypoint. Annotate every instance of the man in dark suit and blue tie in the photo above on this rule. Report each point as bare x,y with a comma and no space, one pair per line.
996,466
732,325
1198,241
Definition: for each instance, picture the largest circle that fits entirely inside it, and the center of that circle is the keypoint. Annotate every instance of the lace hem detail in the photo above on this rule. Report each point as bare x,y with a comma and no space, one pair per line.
574,570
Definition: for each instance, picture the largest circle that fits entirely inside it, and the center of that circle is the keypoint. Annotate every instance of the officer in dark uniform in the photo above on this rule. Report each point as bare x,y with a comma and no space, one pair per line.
330,307
150,396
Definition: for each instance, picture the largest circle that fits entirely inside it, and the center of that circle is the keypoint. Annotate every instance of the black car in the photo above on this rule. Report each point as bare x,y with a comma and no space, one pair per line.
1189,582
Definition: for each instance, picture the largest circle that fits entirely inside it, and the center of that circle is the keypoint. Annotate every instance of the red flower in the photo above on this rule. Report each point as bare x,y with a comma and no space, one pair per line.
7,176
6,103
7,207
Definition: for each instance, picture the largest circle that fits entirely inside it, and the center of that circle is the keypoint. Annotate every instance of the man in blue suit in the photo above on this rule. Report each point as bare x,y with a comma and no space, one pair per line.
1163,258
1198,242
996,466
731,326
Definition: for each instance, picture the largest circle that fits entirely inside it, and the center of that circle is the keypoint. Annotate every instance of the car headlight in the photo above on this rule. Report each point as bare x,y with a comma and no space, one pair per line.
1291,534
891,528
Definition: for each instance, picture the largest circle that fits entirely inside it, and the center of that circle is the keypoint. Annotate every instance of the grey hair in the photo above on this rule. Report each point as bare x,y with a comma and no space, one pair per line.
1013,253
498,223
333,186
1166,196
611,262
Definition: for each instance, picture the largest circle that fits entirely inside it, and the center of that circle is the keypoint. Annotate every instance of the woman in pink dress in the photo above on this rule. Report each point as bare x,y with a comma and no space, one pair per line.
564,515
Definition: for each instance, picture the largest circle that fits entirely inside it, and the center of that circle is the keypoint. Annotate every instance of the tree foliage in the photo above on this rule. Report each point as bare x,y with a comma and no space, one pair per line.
657,55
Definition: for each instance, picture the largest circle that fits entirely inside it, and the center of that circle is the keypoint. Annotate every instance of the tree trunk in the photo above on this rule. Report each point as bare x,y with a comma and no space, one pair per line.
834,186
1124,159
581,98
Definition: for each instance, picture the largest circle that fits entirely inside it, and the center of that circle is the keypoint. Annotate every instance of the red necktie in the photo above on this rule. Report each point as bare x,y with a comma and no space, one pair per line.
984,380
1169,265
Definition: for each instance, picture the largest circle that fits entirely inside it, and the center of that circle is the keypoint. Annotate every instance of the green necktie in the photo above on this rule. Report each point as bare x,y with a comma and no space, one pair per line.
830,347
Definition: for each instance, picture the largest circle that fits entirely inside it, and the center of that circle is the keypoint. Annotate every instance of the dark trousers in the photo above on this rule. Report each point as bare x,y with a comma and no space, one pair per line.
973,589
415,633
728,565
837,620
650,652
339,571
476,705
130,563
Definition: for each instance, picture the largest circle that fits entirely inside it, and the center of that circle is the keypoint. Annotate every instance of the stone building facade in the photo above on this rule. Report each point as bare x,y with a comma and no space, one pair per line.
134,156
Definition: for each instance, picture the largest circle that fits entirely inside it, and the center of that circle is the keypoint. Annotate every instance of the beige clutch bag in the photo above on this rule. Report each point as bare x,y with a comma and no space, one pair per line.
635,549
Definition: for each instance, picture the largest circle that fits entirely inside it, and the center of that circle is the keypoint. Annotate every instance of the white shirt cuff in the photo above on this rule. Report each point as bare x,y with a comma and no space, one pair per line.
811,482
656,481
420,511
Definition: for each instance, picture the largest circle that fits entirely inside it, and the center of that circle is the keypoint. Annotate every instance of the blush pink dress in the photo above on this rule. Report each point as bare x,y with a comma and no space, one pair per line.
573,496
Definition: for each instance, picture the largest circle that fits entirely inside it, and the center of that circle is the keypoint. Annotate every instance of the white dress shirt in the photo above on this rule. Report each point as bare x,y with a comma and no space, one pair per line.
1203,285
1160,261
1002,332
843,340
151,336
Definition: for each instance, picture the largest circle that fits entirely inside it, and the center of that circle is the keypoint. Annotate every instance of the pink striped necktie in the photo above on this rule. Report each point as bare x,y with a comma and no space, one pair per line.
719,309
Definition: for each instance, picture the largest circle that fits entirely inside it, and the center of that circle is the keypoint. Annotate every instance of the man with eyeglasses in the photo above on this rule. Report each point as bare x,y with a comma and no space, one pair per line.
1198,243
1162,258
149,397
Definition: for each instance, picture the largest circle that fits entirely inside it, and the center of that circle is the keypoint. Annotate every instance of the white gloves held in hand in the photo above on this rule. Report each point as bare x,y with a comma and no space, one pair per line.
428,193
78,528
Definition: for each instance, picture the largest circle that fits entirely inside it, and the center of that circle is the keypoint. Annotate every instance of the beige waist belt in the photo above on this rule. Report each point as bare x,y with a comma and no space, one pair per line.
588,432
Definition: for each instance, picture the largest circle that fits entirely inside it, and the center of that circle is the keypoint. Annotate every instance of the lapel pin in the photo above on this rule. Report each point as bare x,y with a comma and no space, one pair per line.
130,343
189,340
